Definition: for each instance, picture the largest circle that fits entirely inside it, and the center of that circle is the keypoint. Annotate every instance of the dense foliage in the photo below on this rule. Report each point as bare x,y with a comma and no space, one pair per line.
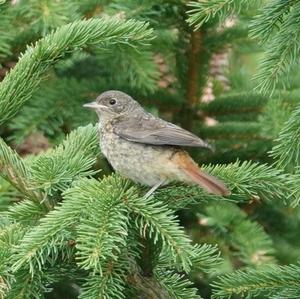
224,69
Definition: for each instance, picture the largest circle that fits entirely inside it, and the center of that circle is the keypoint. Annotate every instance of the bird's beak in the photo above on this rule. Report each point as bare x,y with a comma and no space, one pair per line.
91,105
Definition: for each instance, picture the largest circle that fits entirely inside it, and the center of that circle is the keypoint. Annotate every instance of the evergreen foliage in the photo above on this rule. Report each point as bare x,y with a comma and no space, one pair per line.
203,11
270,280
286,152
20,83
282,47
70,228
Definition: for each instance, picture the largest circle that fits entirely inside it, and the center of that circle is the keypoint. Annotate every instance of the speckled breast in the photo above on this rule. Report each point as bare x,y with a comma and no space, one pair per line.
142,163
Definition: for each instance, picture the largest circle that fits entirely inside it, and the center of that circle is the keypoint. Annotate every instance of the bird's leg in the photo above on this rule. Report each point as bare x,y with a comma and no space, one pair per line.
152,190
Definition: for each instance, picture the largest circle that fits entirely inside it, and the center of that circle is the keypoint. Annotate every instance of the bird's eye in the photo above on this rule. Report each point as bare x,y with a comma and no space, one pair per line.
112,101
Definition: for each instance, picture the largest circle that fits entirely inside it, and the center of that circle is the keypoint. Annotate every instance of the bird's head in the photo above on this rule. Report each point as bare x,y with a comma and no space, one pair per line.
113,103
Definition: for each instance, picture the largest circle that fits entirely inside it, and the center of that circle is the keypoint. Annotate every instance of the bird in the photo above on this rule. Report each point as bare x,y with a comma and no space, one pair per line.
146,148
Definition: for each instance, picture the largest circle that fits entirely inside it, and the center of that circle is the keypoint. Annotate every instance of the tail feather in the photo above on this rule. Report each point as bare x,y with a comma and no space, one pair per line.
210,183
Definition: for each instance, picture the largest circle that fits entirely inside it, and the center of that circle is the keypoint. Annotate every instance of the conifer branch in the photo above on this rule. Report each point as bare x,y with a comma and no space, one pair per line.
282,52
17,173
141,70
287,293
50,235
270,18
6,30
47,15
103,231
10,235
26,286
25,212
18,86
176,285
53,104
233,130
253,246
56,170
287,150
203,11
218,41
206,258
158,222
252,282
109,284
235,103
179,196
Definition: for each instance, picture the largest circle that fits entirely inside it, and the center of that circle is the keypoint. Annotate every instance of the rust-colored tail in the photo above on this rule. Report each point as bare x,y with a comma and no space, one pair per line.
209,183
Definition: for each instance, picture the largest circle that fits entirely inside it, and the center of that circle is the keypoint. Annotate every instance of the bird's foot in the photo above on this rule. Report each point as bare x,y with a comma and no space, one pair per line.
153,189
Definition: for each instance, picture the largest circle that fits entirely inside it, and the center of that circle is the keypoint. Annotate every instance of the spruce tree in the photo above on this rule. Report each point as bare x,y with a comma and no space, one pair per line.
71,228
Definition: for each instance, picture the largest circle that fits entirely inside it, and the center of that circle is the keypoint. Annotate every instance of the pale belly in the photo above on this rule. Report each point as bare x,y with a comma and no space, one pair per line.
145,164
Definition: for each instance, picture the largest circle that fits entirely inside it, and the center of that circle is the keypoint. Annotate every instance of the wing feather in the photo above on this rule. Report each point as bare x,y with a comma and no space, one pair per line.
157,132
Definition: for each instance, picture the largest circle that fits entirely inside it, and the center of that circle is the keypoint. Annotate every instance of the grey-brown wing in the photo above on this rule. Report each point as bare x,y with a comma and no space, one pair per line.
157,132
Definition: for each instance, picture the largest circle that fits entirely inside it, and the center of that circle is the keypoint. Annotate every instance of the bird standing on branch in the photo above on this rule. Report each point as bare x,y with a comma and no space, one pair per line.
147,149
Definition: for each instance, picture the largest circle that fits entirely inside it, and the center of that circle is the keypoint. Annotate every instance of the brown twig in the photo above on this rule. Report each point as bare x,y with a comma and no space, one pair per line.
193,62
192,78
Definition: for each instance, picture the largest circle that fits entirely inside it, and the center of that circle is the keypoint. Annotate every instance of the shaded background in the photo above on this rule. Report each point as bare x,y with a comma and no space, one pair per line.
201,80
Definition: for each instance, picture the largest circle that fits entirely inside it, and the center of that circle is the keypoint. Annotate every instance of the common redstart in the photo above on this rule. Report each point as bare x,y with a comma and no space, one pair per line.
147,149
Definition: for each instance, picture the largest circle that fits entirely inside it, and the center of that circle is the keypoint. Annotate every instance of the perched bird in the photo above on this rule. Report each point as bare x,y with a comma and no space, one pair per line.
145,148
